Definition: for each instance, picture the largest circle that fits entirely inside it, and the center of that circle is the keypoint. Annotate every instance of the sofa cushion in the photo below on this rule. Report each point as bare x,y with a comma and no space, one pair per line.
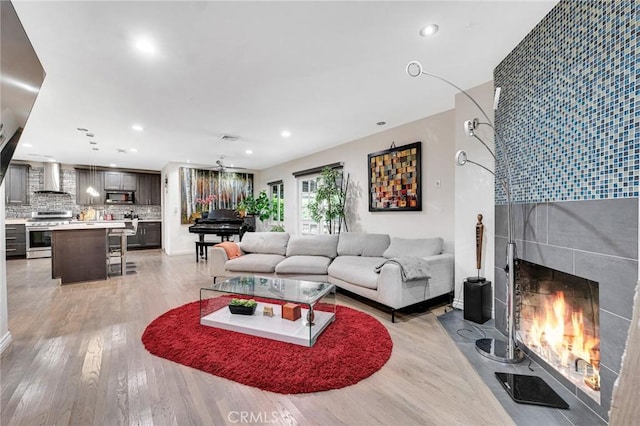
265,242
375,244
351,243
316,245
416,247
316,265
254,262
356,270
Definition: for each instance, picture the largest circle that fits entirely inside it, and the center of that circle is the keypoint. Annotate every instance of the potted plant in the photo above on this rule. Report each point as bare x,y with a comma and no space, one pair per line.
203,204
242,306
328,205
259,207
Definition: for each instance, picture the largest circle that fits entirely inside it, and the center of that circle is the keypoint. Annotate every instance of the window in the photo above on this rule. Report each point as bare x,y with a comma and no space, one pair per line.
276,191
308,187
307,182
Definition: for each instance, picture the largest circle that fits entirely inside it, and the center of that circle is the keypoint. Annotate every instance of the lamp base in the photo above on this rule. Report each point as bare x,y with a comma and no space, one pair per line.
497,350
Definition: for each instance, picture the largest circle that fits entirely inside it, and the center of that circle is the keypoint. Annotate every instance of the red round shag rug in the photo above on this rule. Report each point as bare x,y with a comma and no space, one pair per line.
352,348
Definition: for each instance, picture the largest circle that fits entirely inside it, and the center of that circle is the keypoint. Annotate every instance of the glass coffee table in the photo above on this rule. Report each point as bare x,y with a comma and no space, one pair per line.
309,308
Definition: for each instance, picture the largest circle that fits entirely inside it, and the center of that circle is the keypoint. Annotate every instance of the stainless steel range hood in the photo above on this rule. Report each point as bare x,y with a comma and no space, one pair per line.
52,178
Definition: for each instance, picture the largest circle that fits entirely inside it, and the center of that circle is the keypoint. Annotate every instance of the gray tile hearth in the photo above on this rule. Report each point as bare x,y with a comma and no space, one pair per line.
464,333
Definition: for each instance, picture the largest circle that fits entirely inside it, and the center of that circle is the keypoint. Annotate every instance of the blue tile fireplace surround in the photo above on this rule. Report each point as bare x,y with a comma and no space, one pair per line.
569,119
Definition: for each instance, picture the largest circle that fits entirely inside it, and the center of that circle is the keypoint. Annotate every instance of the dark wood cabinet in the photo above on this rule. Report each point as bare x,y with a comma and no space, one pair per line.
149,235
79,255
85,179
17,184
120,181
15,240
149,189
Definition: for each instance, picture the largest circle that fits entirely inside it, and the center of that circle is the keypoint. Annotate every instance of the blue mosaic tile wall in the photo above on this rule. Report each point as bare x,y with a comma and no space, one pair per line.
568,108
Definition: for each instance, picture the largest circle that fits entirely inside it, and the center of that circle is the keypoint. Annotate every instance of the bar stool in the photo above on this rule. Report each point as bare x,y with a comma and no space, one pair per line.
121,252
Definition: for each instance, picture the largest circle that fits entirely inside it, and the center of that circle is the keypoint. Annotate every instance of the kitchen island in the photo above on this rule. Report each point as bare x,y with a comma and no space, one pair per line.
79,251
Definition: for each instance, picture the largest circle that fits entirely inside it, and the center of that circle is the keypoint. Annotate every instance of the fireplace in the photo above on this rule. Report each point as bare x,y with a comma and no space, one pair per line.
558,320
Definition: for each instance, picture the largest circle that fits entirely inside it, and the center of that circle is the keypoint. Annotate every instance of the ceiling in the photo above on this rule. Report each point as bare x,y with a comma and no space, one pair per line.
325,71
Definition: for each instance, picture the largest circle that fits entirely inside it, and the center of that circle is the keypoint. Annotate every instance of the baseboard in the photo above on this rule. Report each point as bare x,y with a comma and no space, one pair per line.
5,341
458,303
179,252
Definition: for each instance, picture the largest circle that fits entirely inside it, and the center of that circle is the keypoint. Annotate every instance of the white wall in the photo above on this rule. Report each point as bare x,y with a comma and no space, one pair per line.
5,335
436,217
474,189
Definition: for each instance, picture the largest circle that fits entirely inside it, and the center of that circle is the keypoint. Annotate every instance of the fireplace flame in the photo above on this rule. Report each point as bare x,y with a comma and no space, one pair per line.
560,335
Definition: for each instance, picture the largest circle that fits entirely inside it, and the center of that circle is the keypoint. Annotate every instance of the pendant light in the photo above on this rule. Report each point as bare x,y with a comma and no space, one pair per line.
92,173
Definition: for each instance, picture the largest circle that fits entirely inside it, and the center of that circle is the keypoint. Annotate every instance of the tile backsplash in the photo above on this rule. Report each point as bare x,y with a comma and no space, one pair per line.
67,201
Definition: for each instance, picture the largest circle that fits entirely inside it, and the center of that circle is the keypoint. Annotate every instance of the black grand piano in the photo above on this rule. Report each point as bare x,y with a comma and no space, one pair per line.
221,222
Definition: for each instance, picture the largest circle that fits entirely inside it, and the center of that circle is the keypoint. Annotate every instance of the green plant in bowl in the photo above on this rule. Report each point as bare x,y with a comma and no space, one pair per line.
243,306
249,303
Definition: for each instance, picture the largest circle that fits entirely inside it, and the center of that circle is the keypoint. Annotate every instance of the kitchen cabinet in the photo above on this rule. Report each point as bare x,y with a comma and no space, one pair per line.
149,189
17,183
79,254
149,236
120,181
85,179
15,240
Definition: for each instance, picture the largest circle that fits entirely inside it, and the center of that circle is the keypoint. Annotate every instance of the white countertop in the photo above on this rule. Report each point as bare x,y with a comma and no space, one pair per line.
22,221
89,225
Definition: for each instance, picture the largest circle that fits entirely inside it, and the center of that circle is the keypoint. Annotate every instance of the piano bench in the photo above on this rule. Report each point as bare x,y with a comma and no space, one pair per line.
202,248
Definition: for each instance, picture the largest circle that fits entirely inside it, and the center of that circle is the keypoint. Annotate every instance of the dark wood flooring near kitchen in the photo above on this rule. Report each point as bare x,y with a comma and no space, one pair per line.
77,358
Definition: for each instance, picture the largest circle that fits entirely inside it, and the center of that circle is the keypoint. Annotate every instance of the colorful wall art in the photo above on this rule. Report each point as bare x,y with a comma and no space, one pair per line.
205,190
394,179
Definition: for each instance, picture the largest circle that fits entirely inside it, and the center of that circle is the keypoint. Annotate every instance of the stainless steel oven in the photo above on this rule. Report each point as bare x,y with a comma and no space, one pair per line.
39,230
38,241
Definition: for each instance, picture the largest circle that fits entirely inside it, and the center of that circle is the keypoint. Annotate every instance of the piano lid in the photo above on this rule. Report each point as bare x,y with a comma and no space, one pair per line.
221,215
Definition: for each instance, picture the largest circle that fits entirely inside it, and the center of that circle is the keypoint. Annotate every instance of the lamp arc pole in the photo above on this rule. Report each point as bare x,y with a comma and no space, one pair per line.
505,352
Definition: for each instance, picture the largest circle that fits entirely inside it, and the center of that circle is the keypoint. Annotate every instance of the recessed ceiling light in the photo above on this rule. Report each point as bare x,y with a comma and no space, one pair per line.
381,123
248,151
133,150
27,145
188,161
286,133
429,30
137,127
146,46
113,165
52,160
82,129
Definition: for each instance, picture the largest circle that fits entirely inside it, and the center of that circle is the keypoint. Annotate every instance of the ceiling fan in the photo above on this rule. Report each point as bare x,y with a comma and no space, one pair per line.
222,167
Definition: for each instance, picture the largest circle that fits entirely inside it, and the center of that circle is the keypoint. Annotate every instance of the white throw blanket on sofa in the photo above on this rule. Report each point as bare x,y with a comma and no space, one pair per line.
411,268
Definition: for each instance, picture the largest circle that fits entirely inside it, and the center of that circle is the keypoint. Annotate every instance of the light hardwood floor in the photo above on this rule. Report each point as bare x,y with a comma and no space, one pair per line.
77,358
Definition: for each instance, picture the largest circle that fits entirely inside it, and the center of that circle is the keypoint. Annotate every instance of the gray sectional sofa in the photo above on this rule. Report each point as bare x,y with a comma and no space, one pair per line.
348,260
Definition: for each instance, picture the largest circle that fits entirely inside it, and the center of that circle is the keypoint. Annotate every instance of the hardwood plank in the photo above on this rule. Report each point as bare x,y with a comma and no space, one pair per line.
77,358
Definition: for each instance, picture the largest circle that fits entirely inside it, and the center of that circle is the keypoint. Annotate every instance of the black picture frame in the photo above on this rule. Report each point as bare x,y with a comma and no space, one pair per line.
395,179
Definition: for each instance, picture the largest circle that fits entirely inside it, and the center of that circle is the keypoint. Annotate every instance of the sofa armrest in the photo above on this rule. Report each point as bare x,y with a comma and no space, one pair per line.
442,268
393,292
217,259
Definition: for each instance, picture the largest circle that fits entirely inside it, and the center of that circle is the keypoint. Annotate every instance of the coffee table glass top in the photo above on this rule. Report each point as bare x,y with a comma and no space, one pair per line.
297,291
